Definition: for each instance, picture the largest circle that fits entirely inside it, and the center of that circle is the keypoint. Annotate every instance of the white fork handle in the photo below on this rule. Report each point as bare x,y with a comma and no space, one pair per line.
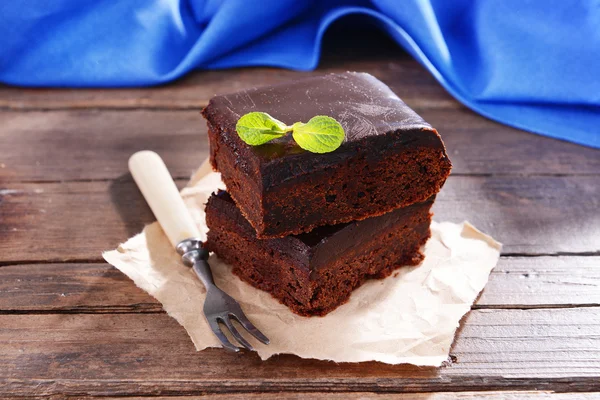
155,182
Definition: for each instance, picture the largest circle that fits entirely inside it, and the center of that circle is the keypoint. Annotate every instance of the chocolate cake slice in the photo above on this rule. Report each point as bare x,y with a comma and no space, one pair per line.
390,158
313,273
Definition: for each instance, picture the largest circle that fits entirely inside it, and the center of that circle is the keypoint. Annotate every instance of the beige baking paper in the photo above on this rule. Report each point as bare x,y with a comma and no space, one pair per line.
409,317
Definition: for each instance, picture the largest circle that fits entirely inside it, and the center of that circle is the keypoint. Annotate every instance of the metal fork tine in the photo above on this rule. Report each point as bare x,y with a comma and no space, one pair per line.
218,305
236,334
214,325
243,320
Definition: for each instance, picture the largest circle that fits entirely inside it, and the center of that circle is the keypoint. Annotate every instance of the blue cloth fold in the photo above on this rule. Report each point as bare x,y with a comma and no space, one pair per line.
532,64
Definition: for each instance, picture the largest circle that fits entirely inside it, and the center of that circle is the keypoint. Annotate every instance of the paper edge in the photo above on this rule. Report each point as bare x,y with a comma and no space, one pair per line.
114,255
488,239
436,361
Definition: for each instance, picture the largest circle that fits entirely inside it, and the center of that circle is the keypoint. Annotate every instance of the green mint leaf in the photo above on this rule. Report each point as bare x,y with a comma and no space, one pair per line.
257,128
321,134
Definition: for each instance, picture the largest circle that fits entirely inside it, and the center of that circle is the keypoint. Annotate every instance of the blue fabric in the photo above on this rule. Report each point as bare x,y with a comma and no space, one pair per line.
532,64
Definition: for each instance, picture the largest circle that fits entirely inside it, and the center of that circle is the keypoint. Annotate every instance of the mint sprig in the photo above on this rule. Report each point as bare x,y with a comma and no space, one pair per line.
257,128
321,134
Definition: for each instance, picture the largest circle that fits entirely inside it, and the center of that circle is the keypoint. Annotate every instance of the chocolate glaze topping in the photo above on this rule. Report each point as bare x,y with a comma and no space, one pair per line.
368,110
327,242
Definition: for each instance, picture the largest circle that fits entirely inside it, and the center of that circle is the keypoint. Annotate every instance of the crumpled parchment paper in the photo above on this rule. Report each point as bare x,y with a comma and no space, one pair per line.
409,317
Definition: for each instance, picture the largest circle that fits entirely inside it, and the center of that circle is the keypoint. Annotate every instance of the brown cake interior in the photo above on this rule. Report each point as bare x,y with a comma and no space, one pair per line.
349,190
296,269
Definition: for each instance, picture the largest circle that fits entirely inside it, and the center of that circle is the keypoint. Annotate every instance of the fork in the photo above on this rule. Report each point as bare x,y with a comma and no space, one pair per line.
152,177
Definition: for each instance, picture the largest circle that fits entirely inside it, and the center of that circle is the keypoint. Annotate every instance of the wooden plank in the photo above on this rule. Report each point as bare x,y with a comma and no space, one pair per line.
496,395
406,76
522,282
78,220
86,145
70,221
477,145
538,215
116,354
516,282
77,288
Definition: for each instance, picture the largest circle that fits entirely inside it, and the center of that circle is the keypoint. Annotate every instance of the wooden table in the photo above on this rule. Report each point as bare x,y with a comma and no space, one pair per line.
72,325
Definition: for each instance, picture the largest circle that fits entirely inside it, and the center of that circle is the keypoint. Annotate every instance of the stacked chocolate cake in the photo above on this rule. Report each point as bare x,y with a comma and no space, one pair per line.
310,228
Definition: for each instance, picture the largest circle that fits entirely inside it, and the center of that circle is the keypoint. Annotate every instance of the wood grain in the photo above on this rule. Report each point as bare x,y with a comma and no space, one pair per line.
116,354
75,288
92,144
477,145
516,282
496,395
85,145
70,221
78,220
541,215
408,78
542,282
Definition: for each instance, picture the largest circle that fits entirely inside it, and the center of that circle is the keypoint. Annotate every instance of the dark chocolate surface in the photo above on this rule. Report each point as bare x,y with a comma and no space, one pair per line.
363,105
327,242
371,114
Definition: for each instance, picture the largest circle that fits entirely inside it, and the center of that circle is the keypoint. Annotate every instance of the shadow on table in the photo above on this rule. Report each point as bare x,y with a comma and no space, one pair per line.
528,214
130,204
